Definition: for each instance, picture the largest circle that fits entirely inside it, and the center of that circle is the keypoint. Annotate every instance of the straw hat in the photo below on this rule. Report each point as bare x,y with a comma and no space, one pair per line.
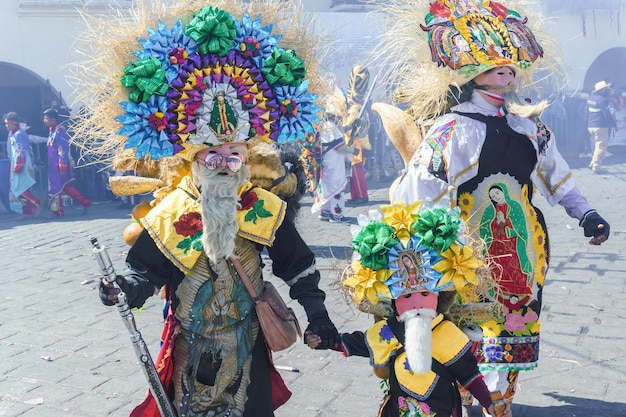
601,85
407,248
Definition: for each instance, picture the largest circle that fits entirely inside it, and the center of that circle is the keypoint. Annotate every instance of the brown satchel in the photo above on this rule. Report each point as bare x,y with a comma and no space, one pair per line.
278,322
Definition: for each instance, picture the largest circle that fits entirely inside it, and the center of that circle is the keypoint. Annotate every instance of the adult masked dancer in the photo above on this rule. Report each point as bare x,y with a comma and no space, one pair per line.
487,149
60,165
219,82
356,129
330,193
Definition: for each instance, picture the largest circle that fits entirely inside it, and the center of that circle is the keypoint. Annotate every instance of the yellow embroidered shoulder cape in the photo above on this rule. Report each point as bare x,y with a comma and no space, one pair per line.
175,224
448,343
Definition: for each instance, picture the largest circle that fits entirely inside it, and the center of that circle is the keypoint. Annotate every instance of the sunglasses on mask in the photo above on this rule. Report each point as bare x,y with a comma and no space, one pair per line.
214,160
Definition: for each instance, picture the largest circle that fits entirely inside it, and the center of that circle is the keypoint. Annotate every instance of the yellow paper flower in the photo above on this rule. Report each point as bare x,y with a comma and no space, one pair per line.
369,283
458,266
400,217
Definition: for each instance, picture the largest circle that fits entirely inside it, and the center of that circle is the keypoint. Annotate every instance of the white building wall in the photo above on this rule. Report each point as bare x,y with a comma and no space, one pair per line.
39,36
583,41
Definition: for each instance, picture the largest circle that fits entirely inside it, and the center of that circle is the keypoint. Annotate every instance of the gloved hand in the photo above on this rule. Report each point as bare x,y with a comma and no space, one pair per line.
321,326
595,227
108,292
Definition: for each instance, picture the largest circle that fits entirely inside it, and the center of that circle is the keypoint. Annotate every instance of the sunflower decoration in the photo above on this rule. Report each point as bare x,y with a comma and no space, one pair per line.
433,254
400,217
204,76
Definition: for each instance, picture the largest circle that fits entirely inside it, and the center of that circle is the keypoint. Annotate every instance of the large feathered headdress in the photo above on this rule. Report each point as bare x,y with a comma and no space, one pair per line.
168,80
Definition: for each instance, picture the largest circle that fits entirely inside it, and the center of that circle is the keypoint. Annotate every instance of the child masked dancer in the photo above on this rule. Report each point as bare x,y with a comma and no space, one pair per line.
413,261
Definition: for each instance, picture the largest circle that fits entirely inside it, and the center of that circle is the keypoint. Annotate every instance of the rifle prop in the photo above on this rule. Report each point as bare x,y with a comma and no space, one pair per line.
147,365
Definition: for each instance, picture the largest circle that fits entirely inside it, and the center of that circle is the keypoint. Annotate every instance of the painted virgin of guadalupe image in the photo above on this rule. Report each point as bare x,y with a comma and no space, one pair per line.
410,271
504,229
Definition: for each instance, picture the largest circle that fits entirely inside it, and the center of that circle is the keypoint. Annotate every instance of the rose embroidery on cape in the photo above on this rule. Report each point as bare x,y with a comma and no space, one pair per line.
190,226
250,201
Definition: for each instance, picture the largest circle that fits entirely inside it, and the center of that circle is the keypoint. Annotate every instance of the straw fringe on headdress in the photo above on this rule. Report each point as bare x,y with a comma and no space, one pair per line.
108,45
408,248
424,84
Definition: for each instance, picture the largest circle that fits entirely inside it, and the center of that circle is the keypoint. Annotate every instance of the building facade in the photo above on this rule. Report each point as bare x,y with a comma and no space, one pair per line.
40,36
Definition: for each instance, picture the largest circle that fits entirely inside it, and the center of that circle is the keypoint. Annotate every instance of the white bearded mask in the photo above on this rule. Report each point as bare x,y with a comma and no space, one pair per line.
417,310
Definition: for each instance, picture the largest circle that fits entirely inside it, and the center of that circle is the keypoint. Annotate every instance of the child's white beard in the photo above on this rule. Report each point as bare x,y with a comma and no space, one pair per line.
218,199
418,338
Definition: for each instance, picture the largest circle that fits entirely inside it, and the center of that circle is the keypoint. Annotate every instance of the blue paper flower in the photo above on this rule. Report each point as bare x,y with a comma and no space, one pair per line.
145,126
255,41
171,47
427,276
297,112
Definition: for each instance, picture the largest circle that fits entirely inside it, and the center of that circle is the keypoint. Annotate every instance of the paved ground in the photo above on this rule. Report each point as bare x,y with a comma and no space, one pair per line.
64,354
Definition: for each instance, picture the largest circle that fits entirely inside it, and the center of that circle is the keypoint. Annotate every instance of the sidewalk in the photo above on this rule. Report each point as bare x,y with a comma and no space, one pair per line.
65,354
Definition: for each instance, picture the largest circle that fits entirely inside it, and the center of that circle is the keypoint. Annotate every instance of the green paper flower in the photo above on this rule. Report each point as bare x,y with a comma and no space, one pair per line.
373,243
146,78
213,29
437,228
284,67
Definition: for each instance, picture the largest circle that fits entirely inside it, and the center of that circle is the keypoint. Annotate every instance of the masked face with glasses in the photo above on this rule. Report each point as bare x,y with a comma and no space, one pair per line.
227,158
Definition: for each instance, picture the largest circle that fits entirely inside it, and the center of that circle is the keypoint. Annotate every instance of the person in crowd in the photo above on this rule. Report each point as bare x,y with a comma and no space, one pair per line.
356,130
600,122
60,165
488,151
22,172
330,200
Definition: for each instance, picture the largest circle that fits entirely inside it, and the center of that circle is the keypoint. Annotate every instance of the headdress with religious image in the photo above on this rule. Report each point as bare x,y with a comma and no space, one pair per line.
184,77
471,37
433,46
409,248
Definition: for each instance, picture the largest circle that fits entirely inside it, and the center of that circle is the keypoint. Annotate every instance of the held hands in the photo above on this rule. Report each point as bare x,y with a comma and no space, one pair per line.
108,292
499,407
493,412
321,332
595,227
311,339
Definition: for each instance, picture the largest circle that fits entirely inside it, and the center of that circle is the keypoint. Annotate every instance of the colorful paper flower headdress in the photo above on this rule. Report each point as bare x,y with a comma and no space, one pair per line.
432,48
472,36
406,249
214,75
